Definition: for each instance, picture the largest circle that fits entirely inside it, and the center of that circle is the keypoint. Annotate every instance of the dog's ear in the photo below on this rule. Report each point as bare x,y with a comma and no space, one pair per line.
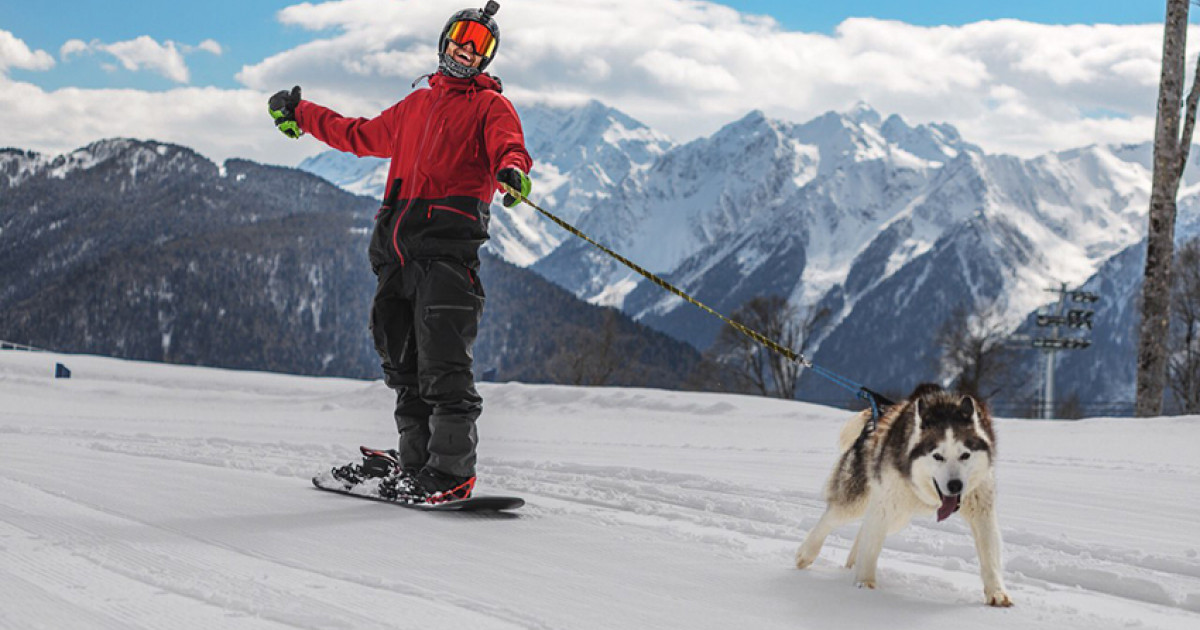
916,409
966,407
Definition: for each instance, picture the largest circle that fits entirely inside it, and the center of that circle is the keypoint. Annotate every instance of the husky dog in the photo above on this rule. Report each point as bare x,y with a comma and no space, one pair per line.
932,452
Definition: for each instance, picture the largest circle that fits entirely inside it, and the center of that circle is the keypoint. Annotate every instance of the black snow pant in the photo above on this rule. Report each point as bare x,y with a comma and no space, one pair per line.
424,320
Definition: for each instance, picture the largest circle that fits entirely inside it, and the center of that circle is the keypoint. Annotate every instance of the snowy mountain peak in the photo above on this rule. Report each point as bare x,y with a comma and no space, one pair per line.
753,117
934,142
858,135
17,165
568,136
128,156
131,157
745,130
89,156
597,115
863,113
895,124
862,134
361,176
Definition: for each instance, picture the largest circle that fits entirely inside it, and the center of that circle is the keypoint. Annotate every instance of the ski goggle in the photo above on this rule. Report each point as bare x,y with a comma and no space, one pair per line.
464,31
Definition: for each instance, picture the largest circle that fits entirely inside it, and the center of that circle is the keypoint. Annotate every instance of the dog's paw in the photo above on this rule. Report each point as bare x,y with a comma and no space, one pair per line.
870,584
804,560
999,599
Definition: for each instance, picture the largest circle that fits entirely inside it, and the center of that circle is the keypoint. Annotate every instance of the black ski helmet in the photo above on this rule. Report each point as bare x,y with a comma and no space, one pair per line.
482,16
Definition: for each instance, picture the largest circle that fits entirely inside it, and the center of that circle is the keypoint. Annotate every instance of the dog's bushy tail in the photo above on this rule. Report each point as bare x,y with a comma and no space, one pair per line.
852,430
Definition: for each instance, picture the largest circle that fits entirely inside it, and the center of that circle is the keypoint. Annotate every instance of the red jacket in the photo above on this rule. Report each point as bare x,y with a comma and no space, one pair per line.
446,144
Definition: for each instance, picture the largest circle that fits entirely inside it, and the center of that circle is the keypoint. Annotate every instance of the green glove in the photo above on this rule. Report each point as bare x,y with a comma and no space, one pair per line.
518,185
283,109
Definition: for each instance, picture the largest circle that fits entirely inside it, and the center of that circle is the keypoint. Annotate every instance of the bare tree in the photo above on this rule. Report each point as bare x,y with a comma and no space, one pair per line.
975,354
591,355
1183,366
1071,408
757,368
1170,157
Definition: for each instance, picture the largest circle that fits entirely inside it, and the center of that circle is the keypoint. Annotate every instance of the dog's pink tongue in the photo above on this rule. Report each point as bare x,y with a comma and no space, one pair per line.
949,506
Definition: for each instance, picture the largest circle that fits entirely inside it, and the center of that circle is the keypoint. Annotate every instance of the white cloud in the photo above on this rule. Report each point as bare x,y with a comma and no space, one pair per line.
73,47
144,53
670,69
685,67
218,123
14,53
210,46
688,67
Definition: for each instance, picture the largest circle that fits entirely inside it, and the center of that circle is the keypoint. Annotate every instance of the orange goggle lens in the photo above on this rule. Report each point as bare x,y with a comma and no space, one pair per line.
478,35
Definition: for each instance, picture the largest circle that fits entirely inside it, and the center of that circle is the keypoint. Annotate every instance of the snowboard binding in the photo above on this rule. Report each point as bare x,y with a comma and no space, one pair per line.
376,464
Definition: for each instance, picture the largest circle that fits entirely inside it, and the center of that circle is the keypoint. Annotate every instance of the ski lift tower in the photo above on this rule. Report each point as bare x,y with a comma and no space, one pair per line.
1078,318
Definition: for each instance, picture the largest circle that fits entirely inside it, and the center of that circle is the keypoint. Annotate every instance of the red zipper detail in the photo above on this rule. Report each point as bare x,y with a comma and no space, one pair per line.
432,207
396,233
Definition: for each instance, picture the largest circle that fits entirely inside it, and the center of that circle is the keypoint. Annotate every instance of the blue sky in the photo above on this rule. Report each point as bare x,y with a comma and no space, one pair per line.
246,29
249,32
824,16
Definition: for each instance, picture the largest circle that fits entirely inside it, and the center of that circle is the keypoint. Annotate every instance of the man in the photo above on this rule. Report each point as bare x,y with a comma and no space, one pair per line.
450,145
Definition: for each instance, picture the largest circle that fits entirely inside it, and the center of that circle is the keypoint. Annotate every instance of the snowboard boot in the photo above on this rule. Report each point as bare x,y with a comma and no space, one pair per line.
433,486
376,465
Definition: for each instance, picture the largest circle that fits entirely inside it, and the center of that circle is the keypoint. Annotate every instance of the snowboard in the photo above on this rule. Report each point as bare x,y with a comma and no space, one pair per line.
474,504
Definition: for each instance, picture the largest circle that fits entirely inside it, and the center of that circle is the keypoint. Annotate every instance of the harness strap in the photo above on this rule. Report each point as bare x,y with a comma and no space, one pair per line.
873,398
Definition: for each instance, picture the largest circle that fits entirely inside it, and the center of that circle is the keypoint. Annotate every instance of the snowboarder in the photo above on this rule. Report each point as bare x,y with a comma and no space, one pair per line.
450,145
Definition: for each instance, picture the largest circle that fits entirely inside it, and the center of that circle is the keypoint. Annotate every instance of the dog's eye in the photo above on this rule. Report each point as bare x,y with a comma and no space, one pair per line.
939,457
964,457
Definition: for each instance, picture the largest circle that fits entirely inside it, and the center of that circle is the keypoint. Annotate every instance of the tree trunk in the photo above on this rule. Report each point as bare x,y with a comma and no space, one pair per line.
1156,307
1168,168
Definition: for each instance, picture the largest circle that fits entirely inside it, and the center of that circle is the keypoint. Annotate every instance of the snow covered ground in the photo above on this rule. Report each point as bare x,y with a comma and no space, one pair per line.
148,496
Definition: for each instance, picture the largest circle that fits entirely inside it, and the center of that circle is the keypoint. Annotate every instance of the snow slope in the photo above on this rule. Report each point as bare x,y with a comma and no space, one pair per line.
147,496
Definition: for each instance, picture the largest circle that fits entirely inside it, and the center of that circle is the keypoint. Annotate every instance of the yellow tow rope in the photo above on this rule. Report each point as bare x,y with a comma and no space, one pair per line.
787,352
875,399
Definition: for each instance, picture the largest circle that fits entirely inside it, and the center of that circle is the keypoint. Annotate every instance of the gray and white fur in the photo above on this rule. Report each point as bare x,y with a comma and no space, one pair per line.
932,453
